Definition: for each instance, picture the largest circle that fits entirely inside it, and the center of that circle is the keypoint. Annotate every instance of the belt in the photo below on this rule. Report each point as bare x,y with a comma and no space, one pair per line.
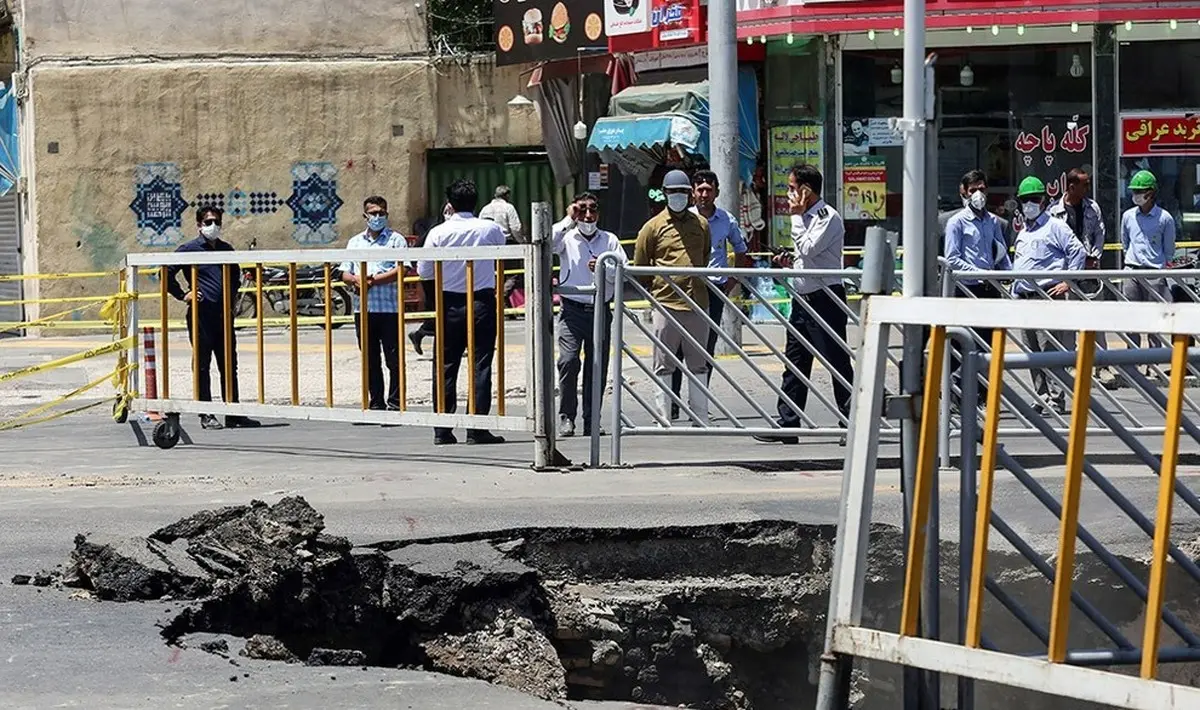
1139,267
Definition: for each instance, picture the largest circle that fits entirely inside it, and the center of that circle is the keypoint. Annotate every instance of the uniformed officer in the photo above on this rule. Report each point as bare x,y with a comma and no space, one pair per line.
974,241
1045,244
1148,239
819,236
464,229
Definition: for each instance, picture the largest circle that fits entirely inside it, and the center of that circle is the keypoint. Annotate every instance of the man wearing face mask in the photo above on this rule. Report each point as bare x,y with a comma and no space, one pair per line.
1148,239
579,242
210,314
975,241
677,237
379,312
819,236
1045,244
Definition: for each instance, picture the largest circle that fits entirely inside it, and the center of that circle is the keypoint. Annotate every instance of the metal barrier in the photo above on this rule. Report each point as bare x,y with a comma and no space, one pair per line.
1059,669
288,404
741,409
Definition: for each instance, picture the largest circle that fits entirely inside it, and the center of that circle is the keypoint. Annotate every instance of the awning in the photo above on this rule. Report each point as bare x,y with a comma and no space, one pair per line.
624,132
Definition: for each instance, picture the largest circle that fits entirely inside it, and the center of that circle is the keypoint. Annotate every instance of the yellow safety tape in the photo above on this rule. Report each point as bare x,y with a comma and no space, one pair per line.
44,322
15,422
52,417
117,346
71,299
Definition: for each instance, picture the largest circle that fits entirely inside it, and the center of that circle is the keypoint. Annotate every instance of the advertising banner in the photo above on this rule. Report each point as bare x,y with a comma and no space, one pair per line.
1148,135
542,30
864,188
1049,147
789,145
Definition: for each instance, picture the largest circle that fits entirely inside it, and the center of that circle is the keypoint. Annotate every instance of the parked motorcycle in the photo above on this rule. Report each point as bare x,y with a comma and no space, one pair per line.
310,292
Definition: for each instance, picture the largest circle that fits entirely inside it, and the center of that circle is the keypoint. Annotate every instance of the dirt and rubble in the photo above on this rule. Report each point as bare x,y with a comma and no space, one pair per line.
711,617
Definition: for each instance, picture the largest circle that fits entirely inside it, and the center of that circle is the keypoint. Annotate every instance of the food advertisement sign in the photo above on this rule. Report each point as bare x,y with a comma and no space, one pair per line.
626,17
1143,136
542,30
1049,148
672,19
790,144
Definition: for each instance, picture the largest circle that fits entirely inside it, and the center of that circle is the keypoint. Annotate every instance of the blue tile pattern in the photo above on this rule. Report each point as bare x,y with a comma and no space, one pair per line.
314,203
158,204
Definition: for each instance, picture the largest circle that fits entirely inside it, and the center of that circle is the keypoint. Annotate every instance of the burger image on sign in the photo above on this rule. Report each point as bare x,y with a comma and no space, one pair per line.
531,26
560,23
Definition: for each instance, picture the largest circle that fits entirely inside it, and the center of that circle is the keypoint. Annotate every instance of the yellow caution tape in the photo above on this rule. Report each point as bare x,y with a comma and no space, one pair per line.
44,322
117,346
50,417
16,422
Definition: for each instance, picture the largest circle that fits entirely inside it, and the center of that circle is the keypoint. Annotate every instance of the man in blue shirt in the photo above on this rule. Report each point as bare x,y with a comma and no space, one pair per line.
975,242
726,234
1148,240
1045,244
383,328
210,328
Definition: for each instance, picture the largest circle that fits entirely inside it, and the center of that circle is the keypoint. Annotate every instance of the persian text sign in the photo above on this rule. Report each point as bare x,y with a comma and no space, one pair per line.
1142,136
789,145
1049,148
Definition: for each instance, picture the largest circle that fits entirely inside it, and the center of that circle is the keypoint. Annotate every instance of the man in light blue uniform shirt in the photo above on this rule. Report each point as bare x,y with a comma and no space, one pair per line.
1045,244
975,242
726,234
1148,240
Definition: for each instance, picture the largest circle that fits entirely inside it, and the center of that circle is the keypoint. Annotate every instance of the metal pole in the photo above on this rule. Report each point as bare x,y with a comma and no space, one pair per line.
539,318
931,591
723,120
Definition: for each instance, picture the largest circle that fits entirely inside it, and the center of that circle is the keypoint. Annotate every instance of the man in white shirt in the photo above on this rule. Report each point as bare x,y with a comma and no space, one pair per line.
819,236
502,212
578,243
464,229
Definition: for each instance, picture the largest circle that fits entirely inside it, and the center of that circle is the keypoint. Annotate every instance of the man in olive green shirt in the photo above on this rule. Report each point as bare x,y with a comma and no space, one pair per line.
678,237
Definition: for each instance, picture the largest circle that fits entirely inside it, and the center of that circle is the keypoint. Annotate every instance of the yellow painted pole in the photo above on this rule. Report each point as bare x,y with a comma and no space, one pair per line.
1166,502
362,332
295,345
328,336
926,455
987,479
401,355
195,333
227,335
165,385
258,310
470,337
1060,609
499,369
439,335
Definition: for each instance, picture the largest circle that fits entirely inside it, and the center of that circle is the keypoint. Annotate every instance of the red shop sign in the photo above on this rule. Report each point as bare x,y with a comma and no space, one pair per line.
1160,135
675,21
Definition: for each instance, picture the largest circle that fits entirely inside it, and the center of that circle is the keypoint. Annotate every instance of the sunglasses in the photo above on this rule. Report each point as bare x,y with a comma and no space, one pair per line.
210,222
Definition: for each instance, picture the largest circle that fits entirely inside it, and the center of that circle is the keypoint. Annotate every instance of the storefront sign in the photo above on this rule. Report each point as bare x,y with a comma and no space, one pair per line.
1051,147
864,188
790,145
626,17
674,20
1143,136
541,30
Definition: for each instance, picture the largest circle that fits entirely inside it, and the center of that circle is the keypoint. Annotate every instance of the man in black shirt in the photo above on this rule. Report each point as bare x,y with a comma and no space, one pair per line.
210,329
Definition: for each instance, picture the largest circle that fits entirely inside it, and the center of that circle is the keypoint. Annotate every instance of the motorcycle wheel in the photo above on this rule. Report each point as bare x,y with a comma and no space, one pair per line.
342,305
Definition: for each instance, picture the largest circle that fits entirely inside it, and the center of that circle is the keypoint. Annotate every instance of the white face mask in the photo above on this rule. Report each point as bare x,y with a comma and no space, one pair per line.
210,231
587,229
677,201
1031,210
1141,198
977,200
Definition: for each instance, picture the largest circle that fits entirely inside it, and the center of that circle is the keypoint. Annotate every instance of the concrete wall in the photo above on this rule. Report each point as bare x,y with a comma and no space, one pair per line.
109,145
107,28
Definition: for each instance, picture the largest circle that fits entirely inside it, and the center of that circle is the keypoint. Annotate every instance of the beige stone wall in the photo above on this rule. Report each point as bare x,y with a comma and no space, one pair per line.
246,126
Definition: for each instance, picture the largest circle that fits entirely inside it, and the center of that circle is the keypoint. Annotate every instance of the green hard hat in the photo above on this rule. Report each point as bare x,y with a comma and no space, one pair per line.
1143,180
1031,186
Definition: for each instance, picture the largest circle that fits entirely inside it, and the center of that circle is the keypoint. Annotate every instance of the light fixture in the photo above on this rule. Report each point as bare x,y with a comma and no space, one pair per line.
1076,66
1129,25
791,38
749,40
970,29
519,101
580,130
1075,27
897,73
871,35
896,32
995,30
762,39
966,77
1020,29
1174,24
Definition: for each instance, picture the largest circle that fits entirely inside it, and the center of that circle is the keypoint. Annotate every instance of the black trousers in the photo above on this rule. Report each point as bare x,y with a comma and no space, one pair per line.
383,331
428,327
575,323
210,343
982,290
454,346
716,311
829,309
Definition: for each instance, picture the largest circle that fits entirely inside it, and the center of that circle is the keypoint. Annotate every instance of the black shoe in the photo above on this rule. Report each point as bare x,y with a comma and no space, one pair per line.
210,422
587,429
446,439
674,412
484,437
238,422
776,439
415,338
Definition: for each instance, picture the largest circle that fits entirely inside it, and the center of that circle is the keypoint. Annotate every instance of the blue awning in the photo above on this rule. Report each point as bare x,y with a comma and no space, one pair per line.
615,133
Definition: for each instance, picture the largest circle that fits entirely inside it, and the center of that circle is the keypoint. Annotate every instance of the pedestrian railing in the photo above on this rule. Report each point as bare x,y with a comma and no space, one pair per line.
318,386
1064,651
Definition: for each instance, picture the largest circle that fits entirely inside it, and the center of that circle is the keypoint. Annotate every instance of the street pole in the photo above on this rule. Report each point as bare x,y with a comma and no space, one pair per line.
723,120
540,322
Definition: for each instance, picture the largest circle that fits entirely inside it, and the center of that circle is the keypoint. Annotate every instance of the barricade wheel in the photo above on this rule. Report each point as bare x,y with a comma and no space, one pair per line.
166,434
120,410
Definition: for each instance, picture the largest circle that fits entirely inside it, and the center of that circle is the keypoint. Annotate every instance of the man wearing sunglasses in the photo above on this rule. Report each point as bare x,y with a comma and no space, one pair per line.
210,326
578,243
